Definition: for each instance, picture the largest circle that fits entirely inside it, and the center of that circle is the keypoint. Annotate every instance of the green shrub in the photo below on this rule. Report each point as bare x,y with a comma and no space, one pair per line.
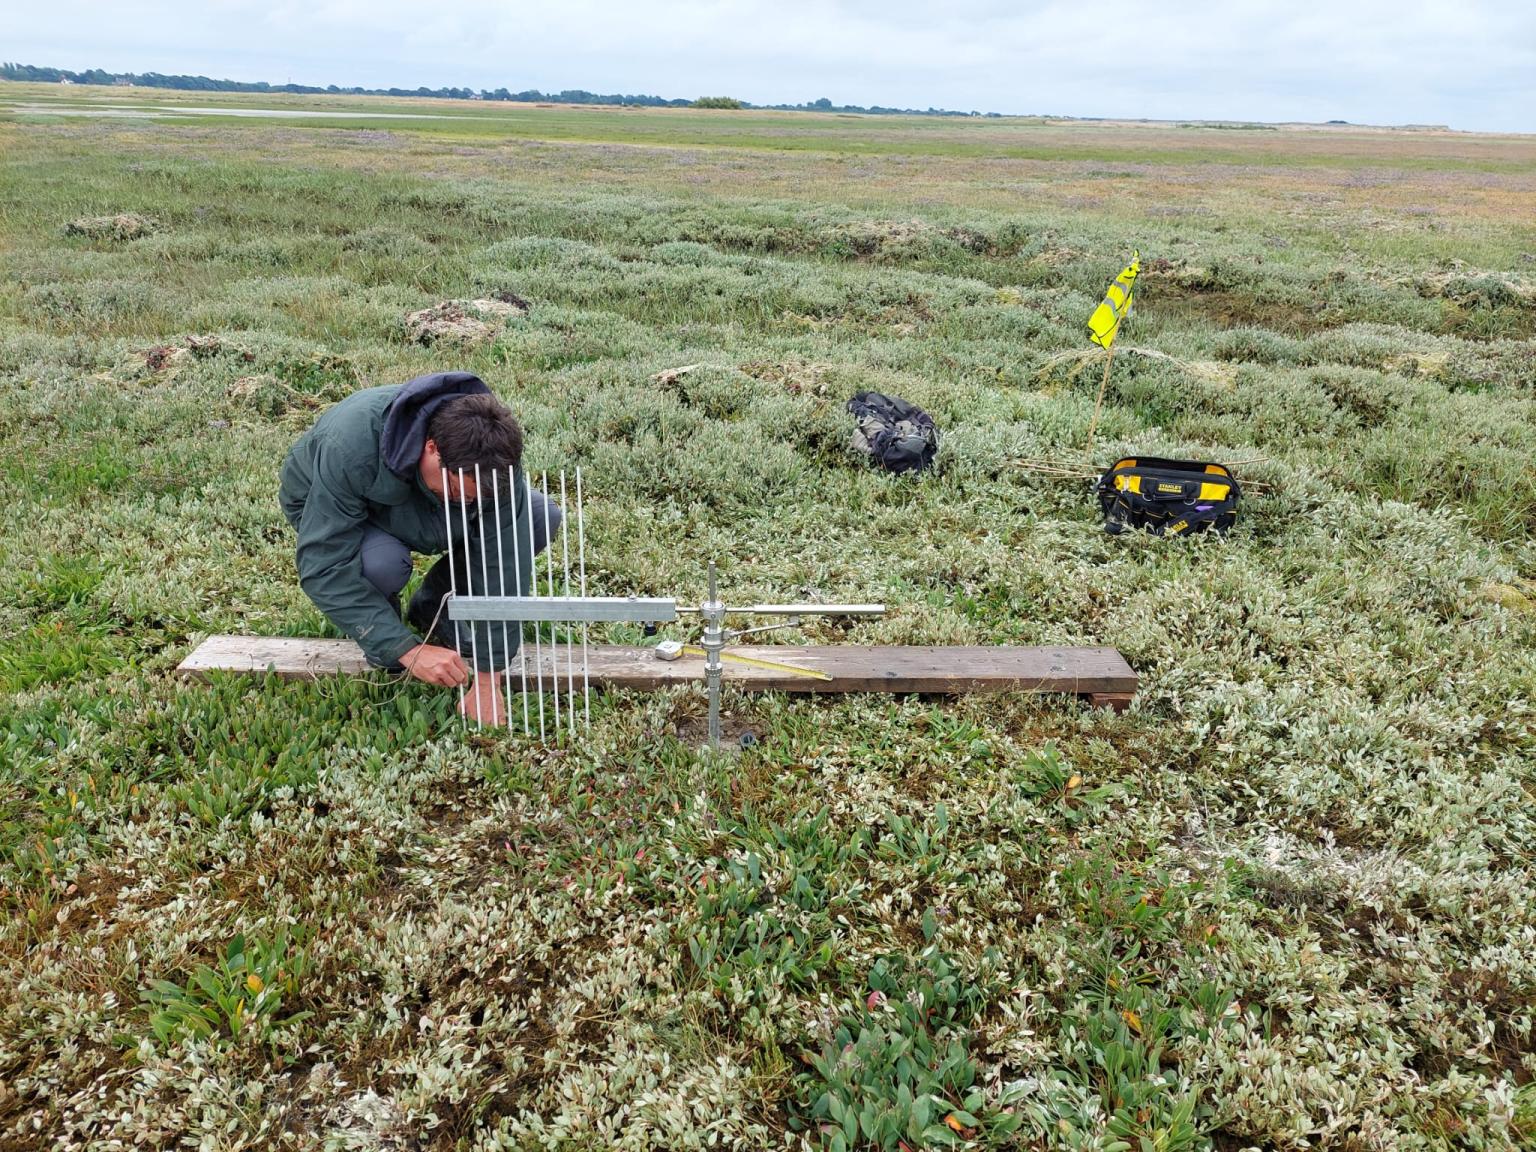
898,1069
239,997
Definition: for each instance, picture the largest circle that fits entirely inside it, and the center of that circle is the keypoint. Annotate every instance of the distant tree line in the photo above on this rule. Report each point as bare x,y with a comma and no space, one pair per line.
825,105
36,74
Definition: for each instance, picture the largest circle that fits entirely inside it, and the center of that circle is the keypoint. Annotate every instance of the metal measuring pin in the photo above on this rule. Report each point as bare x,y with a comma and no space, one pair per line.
533,590
581,548
474,635
549,567
570,646
501,582
517,567
453,580
485,583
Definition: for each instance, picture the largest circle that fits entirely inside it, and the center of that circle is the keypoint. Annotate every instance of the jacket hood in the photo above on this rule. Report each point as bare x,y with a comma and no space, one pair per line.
405,421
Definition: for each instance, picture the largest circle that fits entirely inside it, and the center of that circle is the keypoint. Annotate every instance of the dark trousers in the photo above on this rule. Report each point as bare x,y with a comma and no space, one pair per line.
387,566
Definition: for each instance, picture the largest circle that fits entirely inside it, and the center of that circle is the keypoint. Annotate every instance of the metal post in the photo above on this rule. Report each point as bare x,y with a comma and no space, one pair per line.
485,583
501,578
570,647
713,642
517,568
549,567
469,580
581,548
501,582
533,588
453,580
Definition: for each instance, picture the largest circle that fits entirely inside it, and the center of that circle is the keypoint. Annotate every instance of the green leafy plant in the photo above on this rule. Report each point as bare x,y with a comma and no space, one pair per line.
1046,776
1524,1123
1121,1055
751,937
241,996
899,1068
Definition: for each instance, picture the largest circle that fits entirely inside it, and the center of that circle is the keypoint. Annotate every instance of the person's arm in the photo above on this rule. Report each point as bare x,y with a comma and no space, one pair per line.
330,562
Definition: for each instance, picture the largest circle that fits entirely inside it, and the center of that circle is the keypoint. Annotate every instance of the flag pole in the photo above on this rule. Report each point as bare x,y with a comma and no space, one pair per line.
1099,403
1106,339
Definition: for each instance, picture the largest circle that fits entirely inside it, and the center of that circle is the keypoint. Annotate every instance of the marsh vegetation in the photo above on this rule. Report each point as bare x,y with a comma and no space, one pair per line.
1286,901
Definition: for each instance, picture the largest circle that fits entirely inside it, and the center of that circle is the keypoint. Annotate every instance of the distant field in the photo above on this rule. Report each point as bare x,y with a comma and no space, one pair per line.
1019,138
1287,901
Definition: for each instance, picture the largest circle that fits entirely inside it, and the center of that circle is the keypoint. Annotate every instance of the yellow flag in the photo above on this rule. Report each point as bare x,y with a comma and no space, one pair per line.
1104,324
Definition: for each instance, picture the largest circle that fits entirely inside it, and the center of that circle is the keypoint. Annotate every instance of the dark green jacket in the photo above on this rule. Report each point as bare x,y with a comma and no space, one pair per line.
336,481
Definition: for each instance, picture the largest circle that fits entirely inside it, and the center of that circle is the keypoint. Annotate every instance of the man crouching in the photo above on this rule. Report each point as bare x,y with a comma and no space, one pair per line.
390,471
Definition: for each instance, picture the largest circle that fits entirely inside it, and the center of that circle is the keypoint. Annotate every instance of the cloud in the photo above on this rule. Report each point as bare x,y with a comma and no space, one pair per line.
1471,64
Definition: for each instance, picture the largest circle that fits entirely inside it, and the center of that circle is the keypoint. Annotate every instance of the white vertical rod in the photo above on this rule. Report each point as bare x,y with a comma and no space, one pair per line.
453,580
517,567
501,582
570,646
533,590
485,584
581,548
549,565
469,581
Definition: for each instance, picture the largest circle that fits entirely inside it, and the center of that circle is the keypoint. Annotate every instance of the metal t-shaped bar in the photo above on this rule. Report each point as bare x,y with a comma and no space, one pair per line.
716,636
542,608
633,609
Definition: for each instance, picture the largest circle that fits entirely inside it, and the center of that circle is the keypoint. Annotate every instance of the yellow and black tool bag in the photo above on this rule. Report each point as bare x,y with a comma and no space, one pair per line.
1168,497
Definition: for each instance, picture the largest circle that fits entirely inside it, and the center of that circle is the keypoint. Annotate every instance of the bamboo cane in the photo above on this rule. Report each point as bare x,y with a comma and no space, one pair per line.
1099,403
1104,384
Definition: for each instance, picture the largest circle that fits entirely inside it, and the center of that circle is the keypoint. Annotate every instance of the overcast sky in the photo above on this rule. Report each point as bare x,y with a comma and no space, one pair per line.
1467,63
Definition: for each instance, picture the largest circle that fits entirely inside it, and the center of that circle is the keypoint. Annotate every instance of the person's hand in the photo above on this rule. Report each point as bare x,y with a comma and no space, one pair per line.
484,702
434,665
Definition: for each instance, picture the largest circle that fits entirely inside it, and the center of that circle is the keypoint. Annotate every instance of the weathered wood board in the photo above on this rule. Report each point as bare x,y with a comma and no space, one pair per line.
291,657
1099,673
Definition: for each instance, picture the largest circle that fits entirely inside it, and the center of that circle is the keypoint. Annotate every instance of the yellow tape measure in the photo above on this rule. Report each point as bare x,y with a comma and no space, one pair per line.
670,650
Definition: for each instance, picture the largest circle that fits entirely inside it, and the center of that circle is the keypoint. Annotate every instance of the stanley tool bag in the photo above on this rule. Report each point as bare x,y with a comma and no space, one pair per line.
1168,497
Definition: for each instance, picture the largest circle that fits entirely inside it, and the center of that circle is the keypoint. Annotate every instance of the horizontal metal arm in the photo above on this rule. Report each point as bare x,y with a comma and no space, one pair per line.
796,610
593,608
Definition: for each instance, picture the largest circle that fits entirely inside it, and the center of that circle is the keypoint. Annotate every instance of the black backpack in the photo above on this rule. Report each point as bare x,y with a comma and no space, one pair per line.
1168,497
898,436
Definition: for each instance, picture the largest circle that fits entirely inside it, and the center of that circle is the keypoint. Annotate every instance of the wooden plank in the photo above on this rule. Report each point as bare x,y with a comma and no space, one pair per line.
1101,673
291,657
1114,701
885,669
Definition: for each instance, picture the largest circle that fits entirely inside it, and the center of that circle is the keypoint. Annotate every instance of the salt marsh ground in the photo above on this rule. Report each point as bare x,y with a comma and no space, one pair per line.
1286,901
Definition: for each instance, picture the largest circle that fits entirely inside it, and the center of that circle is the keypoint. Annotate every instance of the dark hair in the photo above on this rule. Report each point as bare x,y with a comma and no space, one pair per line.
472,430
